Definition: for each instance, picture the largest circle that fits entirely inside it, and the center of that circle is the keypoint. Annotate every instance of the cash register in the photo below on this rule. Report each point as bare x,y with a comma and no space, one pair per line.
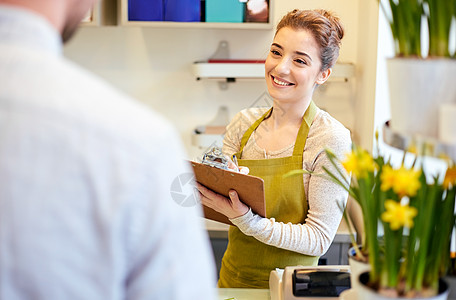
299,282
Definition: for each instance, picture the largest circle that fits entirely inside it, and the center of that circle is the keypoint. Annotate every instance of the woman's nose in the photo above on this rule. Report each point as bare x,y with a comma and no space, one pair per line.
283,66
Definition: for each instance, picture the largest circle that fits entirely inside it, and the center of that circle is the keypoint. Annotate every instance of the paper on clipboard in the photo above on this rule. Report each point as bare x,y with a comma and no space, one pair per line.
249,188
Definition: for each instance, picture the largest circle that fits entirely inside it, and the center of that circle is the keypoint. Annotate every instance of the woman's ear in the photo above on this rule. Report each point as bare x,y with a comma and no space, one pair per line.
323,76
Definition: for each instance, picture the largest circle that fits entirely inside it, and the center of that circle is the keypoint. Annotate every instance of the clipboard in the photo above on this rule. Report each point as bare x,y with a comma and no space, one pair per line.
249,188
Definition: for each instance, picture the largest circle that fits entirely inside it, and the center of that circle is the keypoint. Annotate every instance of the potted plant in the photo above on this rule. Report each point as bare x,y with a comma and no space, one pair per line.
421,74
413,213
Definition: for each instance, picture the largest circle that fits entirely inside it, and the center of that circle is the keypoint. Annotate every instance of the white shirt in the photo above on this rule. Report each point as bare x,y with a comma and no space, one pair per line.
325,198
85,184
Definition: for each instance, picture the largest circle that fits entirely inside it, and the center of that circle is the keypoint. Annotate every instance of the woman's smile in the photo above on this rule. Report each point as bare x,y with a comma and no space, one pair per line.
281,82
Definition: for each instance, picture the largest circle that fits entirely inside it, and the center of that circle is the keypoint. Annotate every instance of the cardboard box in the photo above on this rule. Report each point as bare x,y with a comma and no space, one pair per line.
164,10
182,10
230,11
145,10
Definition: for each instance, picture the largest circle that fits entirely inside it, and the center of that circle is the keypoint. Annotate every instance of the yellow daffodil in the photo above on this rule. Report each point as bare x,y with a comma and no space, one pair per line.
398,215
450,177
412,149
387,178
404,182
359,163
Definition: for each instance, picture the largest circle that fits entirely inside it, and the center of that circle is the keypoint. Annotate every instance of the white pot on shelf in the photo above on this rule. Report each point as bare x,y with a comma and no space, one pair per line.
447,123
417,88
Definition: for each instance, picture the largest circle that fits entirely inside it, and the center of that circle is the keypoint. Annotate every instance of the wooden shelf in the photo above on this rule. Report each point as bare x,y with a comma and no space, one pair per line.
124,21
424,145
228,70
341,71
200,25
93,16
104,13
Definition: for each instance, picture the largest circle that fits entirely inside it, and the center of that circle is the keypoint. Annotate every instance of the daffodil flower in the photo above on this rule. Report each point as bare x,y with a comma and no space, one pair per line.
404,182
398,215
450,177
387,178
359,163
412,149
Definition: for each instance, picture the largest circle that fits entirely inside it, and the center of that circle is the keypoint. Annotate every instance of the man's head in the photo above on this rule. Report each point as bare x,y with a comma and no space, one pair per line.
64,15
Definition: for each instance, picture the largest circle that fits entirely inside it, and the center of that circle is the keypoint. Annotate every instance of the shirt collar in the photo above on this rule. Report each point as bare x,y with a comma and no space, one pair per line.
28,29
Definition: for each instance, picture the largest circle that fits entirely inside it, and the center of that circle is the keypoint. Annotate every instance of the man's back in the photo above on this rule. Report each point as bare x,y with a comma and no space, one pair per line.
85,177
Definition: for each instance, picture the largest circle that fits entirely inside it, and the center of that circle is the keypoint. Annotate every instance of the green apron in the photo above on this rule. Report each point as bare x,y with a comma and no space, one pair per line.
248,262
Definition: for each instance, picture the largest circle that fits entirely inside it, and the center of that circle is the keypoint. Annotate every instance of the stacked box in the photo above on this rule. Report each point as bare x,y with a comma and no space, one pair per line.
145,10
164,10
182,10
230,11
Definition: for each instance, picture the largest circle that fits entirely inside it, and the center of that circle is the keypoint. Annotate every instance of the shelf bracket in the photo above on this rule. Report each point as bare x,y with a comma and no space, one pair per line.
223,85
222,52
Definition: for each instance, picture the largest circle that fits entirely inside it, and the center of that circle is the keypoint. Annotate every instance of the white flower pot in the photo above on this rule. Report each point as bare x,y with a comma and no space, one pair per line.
356,268
364,292
417,88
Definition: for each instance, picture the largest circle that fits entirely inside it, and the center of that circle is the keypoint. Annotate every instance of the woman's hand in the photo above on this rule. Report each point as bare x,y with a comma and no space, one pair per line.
234,166
231,207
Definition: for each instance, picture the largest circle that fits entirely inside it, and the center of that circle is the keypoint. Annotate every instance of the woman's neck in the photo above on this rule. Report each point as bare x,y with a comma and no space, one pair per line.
286,114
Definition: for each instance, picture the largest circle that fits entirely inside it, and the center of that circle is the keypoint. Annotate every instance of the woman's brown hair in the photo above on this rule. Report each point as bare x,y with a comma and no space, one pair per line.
324,26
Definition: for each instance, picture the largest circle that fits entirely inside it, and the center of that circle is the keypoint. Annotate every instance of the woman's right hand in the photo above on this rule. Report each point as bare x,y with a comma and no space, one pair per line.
234,167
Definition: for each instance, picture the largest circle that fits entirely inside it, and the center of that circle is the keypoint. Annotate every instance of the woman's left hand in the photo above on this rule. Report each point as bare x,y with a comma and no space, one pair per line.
231,207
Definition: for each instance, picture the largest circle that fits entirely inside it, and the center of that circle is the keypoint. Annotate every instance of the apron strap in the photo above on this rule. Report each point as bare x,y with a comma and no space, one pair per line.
308,117
249,132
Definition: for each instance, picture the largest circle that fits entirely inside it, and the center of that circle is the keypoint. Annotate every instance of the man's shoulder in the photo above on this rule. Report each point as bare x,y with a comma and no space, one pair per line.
81,101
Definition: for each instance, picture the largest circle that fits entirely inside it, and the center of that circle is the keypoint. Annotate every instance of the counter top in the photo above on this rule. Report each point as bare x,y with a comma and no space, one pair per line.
244,294
264,294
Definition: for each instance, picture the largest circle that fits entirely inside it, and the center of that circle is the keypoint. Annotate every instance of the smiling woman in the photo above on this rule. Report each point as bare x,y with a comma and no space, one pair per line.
303,213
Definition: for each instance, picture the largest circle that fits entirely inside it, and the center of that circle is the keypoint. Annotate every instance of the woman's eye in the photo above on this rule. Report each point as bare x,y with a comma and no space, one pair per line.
275,52
301,61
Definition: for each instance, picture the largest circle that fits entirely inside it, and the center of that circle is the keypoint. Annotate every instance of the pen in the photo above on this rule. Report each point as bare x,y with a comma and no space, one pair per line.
235,161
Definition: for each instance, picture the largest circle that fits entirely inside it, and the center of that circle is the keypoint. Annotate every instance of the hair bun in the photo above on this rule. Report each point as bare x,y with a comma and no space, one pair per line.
334,20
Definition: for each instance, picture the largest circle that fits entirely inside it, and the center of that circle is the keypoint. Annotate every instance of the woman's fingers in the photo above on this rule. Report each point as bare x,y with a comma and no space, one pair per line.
234,196
204,192
239,208
210,198
231,207
209,194
244,170
231,165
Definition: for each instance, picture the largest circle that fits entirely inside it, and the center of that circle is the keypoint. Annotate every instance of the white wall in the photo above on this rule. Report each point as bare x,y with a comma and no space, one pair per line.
154,66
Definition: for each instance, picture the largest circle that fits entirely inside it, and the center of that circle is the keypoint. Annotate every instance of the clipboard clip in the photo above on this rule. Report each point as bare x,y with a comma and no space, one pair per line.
215,158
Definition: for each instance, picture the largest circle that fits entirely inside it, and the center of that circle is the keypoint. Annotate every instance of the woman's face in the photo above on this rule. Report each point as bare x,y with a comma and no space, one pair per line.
292,68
